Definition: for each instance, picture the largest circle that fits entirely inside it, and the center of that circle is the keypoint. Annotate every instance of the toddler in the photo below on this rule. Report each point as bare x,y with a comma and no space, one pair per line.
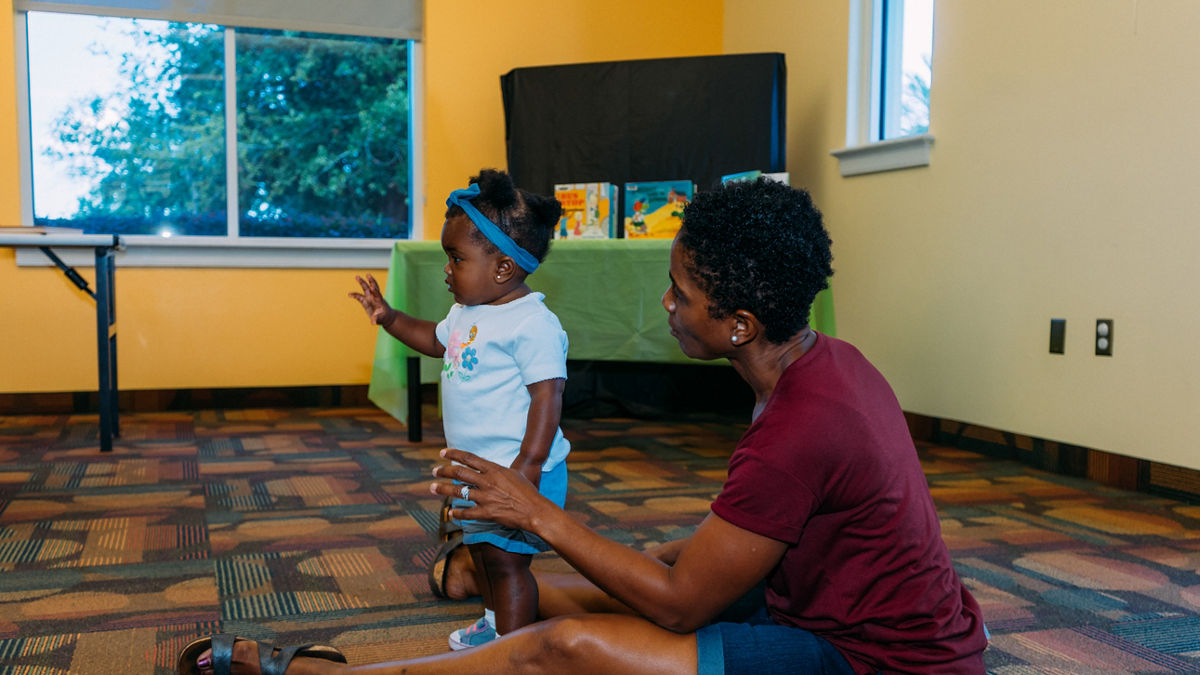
504,357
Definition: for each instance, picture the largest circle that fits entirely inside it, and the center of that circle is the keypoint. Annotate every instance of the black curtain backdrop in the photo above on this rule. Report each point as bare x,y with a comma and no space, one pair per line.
696,118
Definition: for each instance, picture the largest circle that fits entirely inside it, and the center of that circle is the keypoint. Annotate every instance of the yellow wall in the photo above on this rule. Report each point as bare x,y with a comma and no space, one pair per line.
1062,184
10,207
234,328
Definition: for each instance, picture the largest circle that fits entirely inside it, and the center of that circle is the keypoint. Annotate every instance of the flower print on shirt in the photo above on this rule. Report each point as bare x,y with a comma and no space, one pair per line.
453,349
460,356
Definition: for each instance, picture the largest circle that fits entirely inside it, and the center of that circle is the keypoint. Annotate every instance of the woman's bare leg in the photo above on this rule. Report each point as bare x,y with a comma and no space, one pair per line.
579,644
559,593
565,593
460,575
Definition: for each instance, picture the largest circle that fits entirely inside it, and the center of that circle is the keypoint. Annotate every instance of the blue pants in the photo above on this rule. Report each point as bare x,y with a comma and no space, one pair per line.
744,639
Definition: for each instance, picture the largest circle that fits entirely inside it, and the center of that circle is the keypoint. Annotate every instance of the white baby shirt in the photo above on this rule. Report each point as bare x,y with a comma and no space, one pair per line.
492,353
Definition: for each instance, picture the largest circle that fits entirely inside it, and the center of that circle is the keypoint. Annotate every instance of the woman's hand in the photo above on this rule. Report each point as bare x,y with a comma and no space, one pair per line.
501,494
372,300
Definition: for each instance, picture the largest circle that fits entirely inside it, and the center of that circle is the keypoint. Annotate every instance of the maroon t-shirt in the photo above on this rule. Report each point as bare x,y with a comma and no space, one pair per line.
829,468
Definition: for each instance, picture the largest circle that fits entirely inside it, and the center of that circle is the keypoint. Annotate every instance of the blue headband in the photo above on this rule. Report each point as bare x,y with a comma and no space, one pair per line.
510,248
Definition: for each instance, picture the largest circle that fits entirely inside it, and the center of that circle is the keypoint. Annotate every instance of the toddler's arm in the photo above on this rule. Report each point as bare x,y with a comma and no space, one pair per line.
418,334
545,410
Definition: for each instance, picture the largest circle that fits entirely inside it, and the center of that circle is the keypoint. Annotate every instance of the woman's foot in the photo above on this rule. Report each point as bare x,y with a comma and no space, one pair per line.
460,575
246,661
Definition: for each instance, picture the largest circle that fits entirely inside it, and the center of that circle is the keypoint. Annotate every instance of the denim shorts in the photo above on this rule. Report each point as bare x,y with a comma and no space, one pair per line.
736,643
552,485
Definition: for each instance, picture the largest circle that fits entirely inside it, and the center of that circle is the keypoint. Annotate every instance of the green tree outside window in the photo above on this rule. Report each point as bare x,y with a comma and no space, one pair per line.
322,129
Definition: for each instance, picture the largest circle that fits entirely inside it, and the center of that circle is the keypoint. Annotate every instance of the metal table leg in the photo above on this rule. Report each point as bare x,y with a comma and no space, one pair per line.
412,374
105,247
106,338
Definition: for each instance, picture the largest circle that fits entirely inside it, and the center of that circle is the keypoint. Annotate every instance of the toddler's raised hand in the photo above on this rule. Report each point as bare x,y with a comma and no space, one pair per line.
372,299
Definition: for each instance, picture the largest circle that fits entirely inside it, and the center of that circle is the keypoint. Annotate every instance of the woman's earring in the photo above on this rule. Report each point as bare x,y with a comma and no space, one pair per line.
733,339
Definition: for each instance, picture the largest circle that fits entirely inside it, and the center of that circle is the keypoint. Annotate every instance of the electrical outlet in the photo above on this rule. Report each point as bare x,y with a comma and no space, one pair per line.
1058,335
1104,337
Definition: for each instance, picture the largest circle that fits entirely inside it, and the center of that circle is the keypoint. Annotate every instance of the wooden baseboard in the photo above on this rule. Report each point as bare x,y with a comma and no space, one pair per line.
1108,468
154,400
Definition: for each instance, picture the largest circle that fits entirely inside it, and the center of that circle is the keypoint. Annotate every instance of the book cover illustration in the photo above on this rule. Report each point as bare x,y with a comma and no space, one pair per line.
588,210
654,209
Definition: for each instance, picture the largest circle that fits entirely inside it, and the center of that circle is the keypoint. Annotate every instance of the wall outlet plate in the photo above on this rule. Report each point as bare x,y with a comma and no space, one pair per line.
1058,335
1104,337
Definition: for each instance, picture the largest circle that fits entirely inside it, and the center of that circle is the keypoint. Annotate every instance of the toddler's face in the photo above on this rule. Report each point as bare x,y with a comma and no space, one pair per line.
470,269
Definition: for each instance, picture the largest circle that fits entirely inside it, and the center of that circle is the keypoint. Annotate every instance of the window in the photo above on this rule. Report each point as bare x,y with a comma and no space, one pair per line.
906,56
182,133
890,74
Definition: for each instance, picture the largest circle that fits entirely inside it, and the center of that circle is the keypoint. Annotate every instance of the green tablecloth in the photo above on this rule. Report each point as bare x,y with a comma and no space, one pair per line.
606,292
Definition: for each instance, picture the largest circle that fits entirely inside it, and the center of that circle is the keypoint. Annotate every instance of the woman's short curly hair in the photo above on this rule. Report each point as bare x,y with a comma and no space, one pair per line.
528,218
758,246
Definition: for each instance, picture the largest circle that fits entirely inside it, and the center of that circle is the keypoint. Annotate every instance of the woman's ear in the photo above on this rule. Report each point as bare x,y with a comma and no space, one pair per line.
745,329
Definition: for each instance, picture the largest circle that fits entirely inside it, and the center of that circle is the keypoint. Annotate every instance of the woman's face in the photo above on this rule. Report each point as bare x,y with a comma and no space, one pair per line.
700,336
470,270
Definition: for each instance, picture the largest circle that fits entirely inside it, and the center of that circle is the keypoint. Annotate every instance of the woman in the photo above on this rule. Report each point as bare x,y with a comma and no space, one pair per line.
825,500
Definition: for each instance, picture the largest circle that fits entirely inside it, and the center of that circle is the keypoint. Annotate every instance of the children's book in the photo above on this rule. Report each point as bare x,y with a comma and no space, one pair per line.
779,176
588,210
741,175
654,209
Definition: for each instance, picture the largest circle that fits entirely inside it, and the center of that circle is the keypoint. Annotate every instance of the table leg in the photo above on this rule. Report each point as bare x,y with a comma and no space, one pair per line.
106,338
412,368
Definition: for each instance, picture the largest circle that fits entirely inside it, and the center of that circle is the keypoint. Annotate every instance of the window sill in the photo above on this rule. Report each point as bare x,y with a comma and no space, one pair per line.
152,251
889,155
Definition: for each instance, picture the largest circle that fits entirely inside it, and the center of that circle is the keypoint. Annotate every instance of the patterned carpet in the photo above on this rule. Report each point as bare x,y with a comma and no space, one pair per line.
297,525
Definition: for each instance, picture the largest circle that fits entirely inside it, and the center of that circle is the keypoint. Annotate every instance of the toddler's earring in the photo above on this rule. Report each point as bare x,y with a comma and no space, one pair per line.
733,339
498,277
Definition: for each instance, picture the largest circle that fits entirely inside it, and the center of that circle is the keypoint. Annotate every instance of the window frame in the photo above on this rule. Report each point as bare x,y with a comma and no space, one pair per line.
865,150
230,250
